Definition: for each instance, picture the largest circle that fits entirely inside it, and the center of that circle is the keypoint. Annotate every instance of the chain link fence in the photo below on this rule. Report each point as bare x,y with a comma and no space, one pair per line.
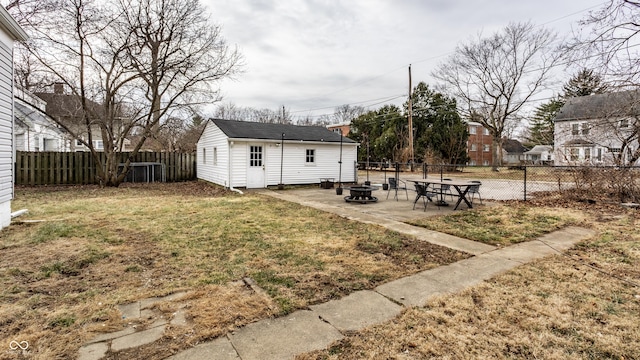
619,184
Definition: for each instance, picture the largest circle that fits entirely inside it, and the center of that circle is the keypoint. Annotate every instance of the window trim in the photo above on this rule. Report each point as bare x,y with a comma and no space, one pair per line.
310,157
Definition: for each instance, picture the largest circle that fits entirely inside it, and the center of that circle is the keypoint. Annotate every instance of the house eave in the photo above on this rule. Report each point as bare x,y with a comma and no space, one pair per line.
289,141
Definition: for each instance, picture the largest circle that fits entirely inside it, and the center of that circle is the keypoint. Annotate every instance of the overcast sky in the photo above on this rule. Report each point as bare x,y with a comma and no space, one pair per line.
314,55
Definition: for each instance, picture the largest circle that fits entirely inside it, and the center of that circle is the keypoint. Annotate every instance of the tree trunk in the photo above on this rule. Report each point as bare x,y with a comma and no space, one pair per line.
496,153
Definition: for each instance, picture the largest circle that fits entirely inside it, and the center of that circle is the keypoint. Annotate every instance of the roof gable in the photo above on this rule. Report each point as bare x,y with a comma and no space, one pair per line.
513,146
601,106
254,130
539,149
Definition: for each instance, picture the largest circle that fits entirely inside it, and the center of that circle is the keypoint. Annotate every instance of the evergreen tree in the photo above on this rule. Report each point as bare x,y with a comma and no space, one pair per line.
542,123
584,83
438,127
384,131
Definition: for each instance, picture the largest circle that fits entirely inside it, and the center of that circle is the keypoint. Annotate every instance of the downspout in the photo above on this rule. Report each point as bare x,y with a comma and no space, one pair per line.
229,143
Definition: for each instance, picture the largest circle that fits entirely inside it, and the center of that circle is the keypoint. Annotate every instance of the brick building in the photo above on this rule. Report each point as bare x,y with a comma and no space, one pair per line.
479,145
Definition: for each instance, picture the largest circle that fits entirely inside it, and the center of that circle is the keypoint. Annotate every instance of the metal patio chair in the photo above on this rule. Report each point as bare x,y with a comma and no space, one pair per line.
395,185
475,189
425,194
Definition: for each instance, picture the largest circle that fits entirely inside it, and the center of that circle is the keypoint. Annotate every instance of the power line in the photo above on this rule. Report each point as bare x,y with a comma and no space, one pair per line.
366,80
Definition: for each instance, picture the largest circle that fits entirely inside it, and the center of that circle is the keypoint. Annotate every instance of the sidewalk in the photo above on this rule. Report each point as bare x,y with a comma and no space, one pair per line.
322,324
316,328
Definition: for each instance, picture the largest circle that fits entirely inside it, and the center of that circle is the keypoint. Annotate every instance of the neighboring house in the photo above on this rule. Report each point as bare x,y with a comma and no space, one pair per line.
34,129
67,109
10,32
479,145
248,154
598,129
343,128
512,152
539,155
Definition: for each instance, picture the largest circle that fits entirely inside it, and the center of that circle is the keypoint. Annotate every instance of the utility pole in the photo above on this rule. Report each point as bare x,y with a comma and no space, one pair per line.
282,122
410,113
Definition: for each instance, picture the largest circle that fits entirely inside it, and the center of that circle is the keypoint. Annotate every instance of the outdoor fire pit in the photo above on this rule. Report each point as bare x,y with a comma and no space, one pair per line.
361,194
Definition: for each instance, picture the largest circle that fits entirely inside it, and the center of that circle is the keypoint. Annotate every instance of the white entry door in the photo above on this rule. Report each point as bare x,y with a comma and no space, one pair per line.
255,172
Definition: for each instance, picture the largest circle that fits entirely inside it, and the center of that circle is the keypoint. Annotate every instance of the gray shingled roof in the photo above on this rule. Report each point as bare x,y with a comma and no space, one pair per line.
253,130
601,106
513,146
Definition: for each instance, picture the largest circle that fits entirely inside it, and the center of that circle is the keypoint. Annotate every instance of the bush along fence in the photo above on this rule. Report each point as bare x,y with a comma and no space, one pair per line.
619,184
79,168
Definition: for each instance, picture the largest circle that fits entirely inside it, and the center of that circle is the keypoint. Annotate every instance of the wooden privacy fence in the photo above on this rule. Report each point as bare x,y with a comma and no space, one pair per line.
78,168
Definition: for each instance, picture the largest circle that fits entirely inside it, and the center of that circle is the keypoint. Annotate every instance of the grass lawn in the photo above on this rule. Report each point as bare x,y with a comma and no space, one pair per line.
61,279
584,304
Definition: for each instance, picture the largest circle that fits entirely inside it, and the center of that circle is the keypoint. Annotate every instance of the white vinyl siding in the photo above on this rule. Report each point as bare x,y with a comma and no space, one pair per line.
297,171
232,158
6,124
213,138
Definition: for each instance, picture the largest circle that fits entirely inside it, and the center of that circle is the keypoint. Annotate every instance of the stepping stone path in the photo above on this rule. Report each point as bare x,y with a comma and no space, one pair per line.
132,336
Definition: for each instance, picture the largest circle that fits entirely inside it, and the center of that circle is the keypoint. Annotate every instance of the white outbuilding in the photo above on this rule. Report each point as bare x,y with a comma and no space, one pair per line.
256,155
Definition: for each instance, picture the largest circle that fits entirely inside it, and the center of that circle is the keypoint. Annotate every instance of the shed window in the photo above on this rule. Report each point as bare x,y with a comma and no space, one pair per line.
215,156
311,156
255,156
204,155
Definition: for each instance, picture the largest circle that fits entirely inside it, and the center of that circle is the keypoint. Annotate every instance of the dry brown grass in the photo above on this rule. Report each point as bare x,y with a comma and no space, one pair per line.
504,225
62,279
584,304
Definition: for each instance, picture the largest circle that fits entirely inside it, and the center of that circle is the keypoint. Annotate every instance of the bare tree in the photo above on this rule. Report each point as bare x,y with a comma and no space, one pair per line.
130,65
494,77
609,42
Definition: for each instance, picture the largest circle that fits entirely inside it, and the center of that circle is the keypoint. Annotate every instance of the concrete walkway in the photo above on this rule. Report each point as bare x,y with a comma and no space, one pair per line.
320,325
316,328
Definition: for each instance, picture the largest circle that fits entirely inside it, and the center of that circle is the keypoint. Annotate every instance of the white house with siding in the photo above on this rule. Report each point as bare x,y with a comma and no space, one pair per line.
10,32
600,129
256,155
34,129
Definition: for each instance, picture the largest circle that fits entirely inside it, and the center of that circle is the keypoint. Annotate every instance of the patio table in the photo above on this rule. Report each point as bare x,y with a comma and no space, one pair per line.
462,189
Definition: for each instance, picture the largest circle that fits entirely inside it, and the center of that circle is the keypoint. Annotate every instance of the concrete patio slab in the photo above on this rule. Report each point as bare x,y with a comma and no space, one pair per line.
564,239
93,351
113,335
283,338
137,339
388,214
218,349
416,290
413,290
130,311
357,311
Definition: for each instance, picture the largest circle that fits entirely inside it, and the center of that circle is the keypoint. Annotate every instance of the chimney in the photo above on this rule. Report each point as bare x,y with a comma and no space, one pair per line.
58,88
